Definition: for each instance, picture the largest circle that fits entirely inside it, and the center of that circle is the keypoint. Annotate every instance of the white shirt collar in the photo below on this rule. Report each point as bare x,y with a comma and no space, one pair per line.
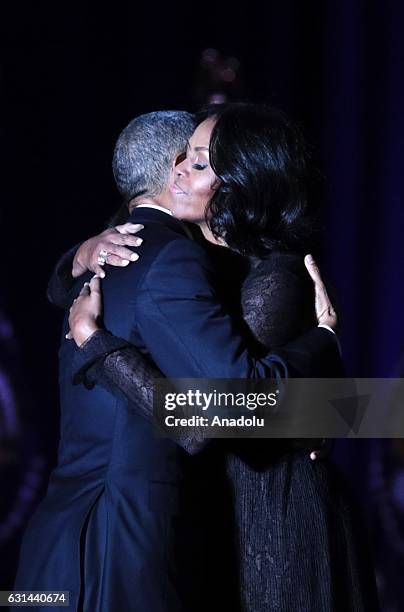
157,207
165,210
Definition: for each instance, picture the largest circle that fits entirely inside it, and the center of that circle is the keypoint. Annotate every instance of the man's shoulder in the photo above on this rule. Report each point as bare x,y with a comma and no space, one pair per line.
166,258
178,264
164,241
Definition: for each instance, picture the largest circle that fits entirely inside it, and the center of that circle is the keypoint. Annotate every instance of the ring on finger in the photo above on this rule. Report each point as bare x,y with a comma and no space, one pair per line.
102,257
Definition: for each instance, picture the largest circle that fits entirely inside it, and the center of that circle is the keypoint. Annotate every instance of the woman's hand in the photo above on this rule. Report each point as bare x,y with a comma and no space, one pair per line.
86,312
324,450
107,247
325,311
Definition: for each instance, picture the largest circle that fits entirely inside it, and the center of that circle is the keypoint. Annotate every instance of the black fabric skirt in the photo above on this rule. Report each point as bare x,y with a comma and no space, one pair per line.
302,544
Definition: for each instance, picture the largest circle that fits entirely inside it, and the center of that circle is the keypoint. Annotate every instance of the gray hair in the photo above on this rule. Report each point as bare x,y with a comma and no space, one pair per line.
146,149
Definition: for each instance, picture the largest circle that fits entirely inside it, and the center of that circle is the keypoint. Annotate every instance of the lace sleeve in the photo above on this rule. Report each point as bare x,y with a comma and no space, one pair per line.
278,306
277,301
126,373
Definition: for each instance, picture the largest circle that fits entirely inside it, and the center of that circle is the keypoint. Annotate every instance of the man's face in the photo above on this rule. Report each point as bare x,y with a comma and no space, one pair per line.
192,180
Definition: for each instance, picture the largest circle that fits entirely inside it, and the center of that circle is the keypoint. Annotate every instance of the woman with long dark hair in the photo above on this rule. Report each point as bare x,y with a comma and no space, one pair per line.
244,180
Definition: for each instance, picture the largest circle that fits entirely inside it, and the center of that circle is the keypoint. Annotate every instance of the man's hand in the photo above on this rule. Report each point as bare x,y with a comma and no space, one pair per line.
85,312
325,312
109,246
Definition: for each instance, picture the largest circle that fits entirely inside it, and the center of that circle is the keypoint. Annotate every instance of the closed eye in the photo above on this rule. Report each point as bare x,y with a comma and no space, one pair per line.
199,166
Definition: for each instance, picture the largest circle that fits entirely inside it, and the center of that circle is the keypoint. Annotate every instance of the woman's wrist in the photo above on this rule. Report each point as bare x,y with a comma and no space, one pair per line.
84,333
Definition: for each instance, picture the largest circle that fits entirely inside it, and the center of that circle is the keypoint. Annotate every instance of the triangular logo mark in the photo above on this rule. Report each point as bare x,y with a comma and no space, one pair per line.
352,410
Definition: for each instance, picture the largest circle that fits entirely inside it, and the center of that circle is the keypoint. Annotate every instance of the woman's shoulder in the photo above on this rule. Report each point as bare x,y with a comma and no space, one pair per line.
279,263
277,298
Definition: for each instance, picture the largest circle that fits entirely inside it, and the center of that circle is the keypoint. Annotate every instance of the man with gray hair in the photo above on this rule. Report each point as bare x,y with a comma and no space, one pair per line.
122,524
145,151
141,164
105,531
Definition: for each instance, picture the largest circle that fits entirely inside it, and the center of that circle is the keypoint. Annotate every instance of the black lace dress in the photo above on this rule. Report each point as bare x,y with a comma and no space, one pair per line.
301,547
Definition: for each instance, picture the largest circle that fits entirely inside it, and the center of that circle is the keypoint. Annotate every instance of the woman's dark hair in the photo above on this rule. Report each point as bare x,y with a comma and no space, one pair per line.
261,203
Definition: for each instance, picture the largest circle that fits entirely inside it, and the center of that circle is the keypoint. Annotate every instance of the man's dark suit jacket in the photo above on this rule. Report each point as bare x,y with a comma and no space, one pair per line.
116,505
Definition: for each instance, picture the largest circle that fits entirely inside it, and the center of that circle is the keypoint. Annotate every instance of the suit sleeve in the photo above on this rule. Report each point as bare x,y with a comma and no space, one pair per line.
188,334
61,283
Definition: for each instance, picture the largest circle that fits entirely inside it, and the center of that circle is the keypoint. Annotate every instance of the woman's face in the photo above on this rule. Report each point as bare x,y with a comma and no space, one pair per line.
193,180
